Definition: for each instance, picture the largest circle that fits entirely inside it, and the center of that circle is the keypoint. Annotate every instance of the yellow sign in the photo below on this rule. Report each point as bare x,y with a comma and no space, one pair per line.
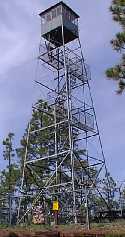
55,205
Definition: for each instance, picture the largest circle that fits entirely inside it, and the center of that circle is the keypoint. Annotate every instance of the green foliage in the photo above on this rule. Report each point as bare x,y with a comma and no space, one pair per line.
10,175
7,182
109,189
118,12
7,143
113,73
119,42
9,178
118,72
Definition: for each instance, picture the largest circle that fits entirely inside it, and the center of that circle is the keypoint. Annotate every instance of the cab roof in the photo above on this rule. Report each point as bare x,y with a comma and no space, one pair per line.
56,5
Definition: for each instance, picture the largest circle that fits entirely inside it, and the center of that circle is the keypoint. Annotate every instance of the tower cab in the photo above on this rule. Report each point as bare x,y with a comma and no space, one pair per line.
59,24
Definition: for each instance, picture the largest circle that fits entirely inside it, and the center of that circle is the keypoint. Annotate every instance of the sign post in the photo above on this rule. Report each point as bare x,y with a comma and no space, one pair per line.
55,210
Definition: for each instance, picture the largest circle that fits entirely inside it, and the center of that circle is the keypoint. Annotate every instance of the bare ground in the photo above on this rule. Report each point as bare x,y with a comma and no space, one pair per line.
106,230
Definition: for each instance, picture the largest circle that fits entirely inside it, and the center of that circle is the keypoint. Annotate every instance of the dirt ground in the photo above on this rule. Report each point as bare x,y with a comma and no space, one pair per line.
4,233
7,233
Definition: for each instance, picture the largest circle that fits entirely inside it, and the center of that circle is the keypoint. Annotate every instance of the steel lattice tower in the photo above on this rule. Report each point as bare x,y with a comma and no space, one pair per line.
73,151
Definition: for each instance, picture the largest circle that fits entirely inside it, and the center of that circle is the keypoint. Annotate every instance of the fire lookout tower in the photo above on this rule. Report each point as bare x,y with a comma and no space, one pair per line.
72,157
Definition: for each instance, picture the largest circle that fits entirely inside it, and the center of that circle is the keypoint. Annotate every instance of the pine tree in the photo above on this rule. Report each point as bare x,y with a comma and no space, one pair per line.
117,72
9,177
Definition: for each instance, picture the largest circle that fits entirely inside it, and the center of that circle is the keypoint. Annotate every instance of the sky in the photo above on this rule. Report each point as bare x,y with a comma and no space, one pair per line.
19,41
